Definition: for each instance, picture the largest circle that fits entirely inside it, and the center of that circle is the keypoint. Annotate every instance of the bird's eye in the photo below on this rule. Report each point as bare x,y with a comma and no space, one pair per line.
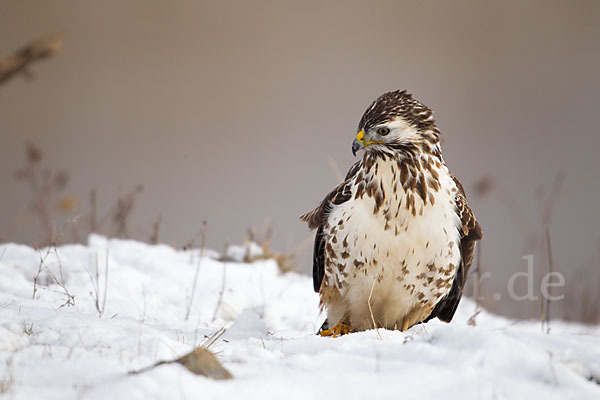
383,131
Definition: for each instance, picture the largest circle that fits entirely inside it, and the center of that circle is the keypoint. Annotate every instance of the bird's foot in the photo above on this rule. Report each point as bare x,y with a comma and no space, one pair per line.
340,329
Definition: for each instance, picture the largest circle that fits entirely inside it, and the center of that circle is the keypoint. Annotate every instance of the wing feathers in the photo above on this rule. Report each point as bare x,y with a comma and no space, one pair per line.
470,234
318,217
318,259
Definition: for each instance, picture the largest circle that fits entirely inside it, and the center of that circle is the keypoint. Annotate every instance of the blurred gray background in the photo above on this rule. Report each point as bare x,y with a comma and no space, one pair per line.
242,114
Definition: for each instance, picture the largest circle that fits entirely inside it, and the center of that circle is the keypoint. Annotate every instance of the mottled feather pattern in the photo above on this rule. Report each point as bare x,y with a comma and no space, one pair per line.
395,240
399,104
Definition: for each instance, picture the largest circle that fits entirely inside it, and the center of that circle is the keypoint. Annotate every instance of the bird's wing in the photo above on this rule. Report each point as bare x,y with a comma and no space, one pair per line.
317,218
470,233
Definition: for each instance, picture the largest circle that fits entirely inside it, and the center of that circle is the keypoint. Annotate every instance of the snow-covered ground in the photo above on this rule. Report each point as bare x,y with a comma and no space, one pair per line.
97,312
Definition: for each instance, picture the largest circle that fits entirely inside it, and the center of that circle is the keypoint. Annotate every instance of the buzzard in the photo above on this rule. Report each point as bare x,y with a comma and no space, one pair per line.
395,240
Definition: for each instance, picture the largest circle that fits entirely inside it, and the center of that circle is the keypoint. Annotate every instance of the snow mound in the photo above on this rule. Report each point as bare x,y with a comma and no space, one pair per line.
75,320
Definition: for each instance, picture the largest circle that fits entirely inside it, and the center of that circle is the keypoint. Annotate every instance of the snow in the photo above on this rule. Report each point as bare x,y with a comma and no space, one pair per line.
113,306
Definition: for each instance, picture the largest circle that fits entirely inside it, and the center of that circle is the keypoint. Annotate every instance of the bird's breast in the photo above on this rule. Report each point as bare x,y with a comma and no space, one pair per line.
396,240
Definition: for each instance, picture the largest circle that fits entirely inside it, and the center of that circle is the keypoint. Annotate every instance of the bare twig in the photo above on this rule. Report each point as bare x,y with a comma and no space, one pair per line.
285,261
476,288
371,309
155,231
212,339
547,214
94,285
36,278
105,284
552,199
552,371
70,298
118,214
546,313
45,185
191,298
60,280
93,210
222,291
472,319
3,253
143,317
19,62
123,211
100,306
189,244
27,328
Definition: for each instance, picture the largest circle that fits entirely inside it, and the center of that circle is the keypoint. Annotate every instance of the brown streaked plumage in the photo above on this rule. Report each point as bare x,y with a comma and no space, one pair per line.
395,240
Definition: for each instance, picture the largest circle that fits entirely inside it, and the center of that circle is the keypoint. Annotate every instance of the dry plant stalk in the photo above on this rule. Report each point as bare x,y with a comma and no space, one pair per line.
100,308
70,299
547,214
3,253
222,291
123,211
190,243
20,61
93,226
546,311
27,328
118,214
371,310
476,288
212,339
45,187
155,231
285,261
191,298
36,278
48,197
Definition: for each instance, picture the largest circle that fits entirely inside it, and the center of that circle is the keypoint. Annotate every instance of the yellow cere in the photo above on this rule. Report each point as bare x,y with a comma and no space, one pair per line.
360,136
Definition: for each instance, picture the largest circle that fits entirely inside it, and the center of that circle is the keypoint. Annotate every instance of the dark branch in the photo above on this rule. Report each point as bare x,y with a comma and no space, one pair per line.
20,61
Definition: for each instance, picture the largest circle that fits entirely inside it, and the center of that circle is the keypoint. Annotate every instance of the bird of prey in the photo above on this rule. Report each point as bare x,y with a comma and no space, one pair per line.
395,240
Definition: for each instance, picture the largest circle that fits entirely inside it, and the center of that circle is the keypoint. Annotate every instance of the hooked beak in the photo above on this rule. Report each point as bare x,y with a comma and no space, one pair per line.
359,142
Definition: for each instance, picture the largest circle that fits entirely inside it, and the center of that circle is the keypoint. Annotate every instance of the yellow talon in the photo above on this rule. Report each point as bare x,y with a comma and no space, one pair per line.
340,329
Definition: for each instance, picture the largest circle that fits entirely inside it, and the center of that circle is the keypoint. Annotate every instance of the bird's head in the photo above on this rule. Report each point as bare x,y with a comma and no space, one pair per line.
396,122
